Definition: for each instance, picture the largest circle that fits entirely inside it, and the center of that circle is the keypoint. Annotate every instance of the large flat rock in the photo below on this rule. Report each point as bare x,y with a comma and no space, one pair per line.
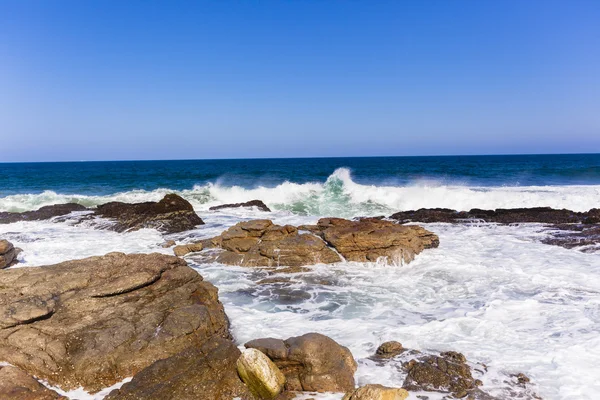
96,321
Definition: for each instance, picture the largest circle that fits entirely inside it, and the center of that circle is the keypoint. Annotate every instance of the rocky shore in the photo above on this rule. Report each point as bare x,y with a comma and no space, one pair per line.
93,322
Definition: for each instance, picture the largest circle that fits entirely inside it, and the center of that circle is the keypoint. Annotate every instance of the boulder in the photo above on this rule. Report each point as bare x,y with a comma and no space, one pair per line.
262,243
170,215
17,385
376,392
311,362
372,239
389,349
43,213
206,372
8,254
252,203
260,374
95,321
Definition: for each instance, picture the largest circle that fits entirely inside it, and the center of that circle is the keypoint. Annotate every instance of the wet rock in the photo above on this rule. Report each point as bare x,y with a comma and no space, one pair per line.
170,215
167,244
43,213
372,239
17,385
206,372
389,349
96,321
252,203
8,254
184,249
261,243
260,374
311,362
376,392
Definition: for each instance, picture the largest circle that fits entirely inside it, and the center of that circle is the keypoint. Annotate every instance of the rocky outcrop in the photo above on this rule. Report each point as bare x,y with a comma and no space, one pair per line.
8,254
262,243
17,385
96,321
252,203
311,362
372,239
170,215
376,392
206,372
43,213
260,374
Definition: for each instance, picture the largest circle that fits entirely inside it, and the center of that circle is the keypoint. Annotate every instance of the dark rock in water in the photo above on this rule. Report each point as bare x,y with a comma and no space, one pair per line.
43,213
17,385
261,243
311,362
389,349
170,215
252,203
586,237
96,321
203,372
8,254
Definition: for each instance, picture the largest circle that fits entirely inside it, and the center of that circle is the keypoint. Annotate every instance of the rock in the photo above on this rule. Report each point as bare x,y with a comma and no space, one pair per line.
376,392
8,254
372,239
311,362
261,243
96,321
252,203
260,374
447,373
167,244
43,213
17,385
184,249
206,372
389,349
170,215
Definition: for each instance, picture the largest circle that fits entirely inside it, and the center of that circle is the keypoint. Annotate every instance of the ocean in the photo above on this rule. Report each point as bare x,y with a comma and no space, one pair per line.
493,292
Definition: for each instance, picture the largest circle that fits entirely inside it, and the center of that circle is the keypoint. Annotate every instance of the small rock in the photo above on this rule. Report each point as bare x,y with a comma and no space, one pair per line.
389,349
167,244
184,249
376,392
260,374
252,203
8,254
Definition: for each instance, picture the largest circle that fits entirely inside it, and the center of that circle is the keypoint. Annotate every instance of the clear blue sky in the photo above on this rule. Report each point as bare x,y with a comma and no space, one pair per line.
112,79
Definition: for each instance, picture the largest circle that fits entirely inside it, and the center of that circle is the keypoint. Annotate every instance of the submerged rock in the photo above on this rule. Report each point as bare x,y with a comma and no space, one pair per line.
376,392
260,374
206,372
311,362
170,215
252,203
8,254
43,213
262,243
96,321
17,385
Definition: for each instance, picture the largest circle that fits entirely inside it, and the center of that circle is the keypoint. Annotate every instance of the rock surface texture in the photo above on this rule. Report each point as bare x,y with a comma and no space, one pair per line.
376,392
17,385
96,321
170,215
46,212
260,374
262,243
252,203
311,362
8,254
206,372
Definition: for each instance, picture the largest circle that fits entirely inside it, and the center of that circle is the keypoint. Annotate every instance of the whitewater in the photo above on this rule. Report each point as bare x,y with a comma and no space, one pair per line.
493,292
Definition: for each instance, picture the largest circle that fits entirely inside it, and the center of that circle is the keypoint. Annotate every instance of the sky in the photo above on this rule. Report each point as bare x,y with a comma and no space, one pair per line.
125,80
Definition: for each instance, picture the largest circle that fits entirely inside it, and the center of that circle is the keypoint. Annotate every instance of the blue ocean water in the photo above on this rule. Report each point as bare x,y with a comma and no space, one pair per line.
105,178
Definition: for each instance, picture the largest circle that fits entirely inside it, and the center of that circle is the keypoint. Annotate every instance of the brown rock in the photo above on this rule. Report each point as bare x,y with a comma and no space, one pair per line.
311,362
389,349
376,392
170,215
8,254
370,239
43,213
96,321
17,385
252,203
184,249
167,244
204,372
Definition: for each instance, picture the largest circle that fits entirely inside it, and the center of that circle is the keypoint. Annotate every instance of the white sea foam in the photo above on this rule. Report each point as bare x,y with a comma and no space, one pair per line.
340,195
